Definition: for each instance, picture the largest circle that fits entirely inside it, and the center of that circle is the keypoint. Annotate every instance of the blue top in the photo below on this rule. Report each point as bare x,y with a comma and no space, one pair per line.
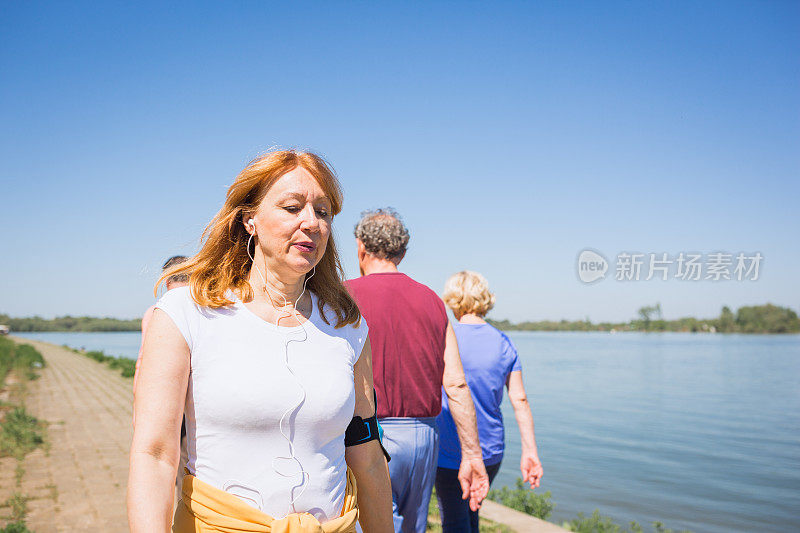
488,358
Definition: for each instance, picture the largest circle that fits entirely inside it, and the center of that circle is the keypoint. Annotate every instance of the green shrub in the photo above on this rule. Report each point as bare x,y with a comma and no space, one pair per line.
126,366
658,527
27,355
16,527
19,433
23,358
27,359
523,499
6,359
5,343
18,503
129,370
98,356
598,523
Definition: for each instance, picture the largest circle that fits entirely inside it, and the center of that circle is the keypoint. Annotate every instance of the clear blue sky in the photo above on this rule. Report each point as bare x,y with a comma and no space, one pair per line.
510,136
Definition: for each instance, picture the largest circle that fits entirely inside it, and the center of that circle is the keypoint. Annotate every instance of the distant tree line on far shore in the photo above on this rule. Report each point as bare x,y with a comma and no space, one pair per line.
69,323
750,319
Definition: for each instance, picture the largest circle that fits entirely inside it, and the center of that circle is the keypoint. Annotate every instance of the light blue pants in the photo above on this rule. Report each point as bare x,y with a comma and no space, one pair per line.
413,444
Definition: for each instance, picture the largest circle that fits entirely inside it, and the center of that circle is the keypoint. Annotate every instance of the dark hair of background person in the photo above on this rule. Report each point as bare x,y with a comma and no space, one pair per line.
172,261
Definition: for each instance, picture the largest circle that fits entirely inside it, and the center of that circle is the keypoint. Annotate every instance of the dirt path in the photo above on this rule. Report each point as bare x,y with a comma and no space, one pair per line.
80,483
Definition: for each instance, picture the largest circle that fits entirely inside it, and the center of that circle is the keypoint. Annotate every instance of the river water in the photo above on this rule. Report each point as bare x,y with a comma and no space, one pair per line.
698,431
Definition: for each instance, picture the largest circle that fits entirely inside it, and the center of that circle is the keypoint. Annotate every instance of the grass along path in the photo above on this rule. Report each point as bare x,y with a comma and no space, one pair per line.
20,433
79,483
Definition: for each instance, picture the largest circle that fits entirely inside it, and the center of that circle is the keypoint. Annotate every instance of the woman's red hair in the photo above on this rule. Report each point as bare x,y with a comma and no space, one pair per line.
222,264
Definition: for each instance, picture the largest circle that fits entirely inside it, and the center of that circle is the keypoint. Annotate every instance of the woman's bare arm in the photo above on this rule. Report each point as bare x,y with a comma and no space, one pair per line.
367,460
158,403
530,465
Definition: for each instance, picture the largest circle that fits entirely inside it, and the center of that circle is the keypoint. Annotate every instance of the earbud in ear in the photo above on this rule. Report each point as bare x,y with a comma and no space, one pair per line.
251,224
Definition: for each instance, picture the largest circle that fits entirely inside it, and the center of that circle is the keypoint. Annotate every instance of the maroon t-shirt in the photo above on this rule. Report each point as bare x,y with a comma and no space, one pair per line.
407,327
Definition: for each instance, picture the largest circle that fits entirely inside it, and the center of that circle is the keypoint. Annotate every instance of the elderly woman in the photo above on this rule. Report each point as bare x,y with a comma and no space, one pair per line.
268,356
490,361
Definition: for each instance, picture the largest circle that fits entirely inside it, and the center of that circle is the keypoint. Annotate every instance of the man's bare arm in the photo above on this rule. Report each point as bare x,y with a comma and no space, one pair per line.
459,398
472,474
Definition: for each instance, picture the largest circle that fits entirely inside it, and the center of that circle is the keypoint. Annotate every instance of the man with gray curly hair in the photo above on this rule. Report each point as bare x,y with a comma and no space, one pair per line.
383,234
414,354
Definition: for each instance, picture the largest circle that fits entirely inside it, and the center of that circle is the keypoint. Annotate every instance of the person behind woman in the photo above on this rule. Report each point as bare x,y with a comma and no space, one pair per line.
490,361
172,282
269,357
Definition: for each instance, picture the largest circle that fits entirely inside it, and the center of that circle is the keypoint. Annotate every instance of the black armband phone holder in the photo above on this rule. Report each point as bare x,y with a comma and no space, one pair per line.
361,430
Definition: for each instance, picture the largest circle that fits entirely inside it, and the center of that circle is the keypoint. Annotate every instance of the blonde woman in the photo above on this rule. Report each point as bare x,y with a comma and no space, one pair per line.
269,358
490,361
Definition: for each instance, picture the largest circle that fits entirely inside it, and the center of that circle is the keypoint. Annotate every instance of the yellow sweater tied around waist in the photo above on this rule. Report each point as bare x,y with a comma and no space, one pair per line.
204,508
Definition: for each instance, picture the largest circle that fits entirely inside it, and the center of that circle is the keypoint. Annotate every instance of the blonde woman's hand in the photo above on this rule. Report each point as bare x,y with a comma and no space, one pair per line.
531,468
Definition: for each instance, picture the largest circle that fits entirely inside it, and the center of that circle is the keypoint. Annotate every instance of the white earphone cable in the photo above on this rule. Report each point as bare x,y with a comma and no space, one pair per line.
305,476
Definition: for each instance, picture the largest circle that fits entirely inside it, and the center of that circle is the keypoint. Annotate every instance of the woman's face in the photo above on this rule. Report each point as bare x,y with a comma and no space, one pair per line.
293,223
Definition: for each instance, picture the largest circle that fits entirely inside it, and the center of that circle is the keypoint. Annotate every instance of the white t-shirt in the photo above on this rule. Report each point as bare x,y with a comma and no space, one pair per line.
240,387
